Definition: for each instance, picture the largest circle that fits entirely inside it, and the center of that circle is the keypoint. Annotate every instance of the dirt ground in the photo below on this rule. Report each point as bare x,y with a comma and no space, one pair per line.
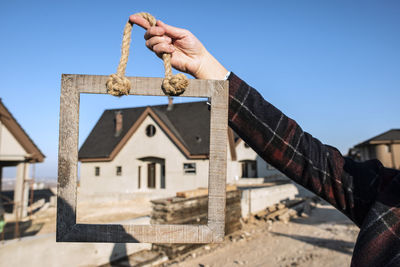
323,238
44,221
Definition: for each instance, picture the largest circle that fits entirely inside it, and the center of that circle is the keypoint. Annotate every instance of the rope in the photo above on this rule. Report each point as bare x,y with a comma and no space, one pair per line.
117,84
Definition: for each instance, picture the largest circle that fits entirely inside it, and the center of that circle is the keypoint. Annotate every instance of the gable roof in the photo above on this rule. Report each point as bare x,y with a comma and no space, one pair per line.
20,135
392,135
187,125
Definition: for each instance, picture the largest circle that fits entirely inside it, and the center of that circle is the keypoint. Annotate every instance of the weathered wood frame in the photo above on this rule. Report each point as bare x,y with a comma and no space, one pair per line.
72,85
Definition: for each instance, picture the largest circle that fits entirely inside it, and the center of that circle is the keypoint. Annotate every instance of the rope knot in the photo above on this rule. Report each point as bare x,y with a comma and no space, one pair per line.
175,85
118,85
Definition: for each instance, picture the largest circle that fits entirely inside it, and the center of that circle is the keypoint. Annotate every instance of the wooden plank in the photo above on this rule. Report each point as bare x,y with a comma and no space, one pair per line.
201,192
218,155
115,233
95,84
67,156
67,229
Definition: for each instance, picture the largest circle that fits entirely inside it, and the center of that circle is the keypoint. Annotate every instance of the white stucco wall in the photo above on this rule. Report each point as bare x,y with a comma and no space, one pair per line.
246,153
10,149
110,186
233,169
141,146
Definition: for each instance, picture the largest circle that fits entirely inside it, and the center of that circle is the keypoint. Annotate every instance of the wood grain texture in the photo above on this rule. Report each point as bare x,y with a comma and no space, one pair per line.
116,233
67,229
218,157
67,156
201,192
95,84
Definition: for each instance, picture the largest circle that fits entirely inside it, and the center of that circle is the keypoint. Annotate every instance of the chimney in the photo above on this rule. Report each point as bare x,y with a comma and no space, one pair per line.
118,123
170,104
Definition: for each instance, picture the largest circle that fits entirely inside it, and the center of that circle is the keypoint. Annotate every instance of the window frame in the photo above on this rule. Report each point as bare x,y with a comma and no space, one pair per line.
118,170
68,230
97,171
149,131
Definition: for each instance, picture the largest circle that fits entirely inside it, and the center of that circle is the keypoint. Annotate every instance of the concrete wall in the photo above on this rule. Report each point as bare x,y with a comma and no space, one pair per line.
233,168
257,199
10,149
43,251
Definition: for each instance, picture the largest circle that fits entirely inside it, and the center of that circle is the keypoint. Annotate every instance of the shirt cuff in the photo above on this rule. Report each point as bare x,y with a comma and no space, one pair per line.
227,75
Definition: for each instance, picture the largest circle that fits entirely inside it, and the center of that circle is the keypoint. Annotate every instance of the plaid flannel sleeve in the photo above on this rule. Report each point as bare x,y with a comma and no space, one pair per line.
366,192
281,142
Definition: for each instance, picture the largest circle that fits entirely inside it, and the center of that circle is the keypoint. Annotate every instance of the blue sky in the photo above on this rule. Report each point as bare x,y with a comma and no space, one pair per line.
333,66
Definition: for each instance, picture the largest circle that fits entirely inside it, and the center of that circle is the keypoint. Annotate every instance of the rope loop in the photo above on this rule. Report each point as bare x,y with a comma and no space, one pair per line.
118,85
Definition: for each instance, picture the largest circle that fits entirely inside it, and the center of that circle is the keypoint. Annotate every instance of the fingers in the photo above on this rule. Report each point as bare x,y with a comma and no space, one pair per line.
138,20
173,32
154,31
162,48
158,40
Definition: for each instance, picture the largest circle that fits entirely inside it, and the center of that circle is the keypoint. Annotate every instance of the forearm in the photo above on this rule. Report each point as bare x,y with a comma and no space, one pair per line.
281,142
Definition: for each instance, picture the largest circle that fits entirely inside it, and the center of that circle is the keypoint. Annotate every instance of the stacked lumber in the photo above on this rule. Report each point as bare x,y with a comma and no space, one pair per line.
192,209
285,210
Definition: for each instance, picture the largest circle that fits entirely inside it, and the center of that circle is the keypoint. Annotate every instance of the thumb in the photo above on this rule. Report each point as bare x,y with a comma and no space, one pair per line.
172,31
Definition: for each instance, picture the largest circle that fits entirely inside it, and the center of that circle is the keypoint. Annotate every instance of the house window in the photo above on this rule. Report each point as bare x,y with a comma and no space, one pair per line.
151,175
119,171
189,168
389,149
96,171
150,130
162,176
249,169
139,175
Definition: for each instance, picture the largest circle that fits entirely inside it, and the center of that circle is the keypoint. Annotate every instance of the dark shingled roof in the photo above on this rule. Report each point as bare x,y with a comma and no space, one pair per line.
391,135
189,122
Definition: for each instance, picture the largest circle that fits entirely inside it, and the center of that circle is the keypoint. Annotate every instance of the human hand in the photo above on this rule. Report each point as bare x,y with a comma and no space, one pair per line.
187,53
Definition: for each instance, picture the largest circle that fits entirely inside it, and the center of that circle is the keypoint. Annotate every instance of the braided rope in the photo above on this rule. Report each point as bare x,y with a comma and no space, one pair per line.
117,84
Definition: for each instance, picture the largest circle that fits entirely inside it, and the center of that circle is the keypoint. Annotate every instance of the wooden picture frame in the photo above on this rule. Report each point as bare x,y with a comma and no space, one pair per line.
72,85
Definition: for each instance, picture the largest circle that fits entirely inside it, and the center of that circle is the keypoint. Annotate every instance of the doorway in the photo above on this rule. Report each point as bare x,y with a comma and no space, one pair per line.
151,175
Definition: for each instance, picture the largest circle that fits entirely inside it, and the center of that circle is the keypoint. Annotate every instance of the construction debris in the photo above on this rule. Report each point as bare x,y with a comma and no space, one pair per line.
286,210
192,210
